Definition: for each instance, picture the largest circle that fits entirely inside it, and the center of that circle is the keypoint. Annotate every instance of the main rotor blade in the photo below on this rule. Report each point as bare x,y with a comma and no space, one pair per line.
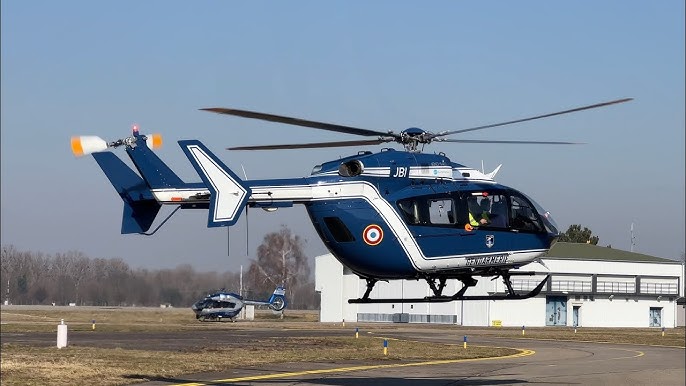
299,122
509,142
444,133
314,145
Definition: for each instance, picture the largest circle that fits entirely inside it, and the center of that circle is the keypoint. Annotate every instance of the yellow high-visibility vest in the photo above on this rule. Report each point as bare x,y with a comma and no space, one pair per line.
476,223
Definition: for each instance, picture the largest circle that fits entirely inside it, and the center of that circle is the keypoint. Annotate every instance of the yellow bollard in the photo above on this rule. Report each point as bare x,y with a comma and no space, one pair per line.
343,322
663,331
357,332
464,345
385,347
93,326
522,330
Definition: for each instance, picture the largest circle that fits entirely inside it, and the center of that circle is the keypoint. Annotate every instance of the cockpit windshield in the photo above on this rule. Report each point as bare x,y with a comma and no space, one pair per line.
546,217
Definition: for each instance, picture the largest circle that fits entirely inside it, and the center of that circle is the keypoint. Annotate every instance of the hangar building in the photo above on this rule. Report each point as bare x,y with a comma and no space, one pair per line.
589,286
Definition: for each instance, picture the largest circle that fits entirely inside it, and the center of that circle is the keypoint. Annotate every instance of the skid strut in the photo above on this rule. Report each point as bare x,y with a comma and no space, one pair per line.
468,282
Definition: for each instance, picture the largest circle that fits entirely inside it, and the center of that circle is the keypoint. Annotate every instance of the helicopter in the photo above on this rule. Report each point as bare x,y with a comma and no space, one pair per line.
222,305
391,214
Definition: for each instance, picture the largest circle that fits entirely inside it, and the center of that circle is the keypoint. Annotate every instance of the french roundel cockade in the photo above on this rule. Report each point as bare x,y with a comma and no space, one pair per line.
392,214
372,235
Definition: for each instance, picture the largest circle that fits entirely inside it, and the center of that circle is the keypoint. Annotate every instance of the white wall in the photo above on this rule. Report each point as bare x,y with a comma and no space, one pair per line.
517,313
620,312
328,281
336,288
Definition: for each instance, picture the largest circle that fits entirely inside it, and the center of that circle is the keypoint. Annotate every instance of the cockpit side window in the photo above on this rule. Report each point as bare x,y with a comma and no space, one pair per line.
485,209
409,210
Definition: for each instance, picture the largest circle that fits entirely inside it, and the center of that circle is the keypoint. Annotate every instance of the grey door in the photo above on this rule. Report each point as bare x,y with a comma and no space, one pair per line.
655,317
556,311
575,315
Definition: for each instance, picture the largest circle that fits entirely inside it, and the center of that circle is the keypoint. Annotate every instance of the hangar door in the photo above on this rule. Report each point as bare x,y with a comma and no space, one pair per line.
556,311
655,317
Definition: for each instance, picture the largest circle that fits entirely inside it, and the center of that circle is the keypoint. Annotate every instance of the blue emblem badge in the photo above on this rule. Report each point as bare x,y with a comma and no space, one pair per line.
490,240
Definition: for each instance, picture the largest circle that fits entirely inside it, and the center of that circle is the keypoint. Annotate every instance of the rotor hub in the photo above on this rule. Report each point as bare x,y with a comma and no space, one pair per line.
411,137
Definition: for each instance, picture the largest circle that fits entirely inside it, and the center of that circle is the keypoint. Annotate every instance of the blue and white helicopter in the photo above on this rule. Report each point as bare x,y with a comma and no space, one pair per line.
223,305
385,215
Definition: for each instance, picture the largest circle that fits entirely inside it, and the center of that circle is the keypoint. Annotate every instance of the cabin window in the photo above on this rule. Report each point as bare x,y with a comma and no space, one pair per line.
338,230
428,211
441,211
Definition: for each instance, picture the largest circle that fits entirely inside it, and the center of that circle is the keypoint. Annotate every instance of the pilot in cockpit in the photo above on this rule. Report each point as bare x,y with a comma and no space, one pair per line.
479,212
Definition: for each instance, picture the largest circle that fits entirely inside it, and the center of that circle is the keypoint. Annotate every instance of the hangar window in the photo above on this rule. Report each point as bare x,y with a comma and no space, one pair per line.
659,285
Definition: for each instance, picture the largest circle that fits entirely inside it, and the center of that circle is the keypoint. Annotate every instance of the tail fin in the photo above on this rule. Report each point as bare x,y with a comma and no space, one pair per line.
228,194
140,207
277,301
153,170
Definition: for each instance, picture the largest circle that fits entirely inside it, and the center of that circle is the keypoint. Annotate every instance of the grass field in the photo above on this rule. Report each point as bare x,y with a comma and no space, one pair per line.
125,319
30,365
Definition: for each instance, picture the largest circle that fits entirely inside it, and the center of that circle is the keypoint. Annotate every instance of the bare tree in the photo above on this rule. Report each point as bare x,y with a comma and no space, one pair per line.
74,277
8,268
280,261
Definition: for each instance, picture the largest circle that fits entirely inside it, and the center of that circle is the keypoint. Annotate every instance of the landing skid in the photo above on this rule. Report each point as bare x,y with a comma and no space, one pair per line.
460,295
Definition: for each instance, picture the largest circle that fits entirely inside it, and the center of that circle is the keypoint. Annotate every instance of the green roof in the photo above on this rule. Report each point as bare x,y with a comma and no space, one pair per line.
594,252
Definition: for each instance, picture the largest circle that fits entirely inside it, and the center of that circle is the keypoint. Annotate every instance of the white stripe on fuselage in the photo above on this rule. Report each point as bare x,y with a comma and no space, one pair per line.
367,191
422,172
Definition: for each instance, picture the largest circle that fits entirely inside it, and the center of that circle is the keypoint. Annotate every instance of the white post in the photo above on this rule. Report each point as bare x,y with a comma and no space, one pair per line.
61,335
249,312
7,296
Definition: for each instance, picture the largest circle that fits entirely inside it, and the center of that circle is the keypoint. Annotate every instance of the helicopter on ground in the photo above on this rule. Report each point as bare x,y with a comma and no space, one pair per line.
223,305
385,215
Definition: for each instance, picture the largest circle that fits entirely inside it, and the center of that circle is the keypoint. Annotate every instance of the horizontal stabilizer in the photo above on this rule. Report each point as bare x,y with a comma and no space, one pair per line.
228,194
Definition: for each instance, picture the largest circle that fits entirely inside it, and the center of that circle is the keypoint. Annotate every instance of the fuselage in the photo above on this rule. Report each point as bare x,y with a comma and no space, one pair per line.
397,214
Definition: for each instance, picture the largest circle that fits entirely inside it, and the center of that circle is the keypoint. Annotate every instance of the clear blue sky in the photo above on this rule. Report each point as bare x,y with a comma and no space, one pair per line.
83,67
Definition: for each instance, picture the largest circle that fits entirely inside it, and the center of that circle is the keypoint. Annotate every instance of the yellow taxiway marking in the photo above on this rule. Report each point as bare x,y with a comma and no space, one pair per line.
522,353
639,354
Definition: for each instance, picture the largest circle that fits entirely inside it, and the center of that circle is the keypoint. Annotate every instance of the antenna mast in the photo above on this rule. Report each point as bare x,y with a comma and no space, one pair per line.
633,238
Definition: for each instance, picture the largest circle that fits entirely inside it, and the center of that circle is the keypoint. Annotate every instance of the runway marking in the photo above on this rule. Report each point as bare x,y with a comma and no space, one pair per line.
594,341
522,353
640,354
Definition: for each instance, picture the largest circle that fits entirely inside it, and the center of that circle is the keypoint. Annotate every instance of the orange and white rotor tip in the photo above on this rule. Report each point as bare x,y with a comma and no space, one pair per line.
87,144
154,141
